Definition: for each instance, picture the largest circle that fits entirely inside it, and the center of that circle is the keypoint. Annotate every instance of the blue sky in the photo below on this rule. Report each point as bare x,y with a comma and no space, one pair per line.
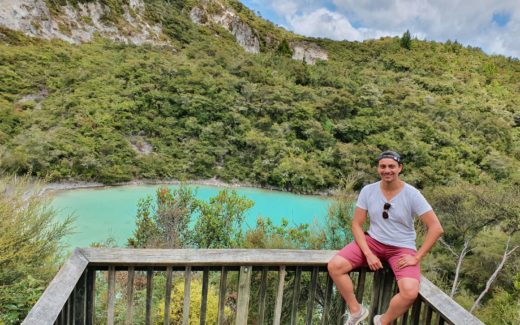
492,25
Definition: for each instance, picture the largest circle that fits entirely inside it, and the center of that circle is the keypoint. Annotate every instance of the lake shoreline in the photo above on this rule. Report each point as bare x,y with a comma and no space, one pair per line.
75,185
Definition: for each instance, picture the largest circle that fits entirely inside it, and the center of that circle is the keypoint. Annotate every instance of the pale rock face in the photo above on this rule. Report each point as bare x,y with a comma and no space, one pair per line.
228,19
78,25
308,52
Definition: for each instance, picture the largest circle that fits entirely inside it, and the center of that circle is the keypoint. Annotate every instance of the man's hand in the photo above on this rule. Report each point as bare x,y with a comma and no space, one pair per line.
407,260
373,262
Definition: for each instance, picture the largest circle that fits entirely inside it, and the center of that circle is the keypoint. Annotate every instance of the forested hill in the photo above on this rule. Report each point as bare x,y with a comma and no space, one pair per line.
117,90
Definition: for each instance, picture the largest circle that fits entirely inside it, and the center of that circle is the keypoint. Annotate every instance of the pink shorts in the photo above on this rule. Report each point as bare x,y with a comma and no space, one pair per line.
384,252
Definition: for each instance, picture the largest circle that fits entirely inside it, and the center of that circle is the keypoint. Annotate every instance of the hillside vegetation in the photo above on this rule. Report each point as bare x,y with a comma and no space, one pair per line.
191,103
203,107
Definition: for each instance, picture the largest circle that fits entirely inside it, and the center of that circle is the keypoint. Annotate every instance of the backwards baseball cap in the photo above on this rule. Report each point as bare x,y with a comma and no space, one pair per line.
390,154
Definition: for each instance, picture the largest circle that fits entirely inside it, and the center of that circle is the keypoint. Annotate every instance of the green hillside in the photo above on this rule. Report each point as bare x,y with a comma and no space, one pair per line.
203,107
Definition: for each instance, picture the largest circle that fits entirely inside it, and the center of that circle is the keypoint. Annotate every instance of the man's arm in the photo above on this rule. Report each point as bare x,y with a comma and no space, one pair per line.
360,216
433,233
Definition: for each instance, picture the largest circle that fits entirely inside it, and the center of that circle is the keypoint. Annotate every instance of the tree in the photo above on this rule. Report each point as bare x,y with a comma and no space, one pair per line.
466,211
220,222
284,49
29,245
505,256
165,224
406,40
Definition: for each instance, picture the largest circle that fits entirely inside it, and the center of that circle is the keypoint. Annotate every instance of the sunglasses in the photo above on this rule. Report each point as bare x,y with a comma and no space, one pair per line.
386,207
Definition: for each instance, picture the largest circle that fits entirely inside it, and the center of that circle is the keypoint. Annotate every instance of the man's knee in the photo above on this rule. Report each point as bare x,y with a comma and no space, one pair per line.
338,265
409,288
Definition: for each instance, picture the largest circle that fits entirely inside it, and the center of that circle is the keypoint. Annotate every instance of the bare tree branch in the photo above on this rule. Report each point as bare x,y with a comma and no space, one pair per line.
465,250
493,277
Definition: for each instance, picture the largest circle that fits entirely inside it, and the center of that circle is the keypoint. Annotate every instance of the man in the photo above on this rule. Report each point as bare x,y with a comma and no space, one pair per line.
392,206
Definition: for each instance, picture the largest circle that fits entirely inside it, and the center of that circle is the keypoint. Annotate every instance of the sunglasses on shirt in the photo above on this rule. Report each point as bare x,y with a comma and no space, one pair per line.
386,207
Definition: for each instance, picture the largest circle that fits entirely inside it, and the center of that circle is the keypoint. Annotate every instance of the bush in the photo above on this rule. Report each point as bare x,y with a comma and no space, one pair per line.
29,245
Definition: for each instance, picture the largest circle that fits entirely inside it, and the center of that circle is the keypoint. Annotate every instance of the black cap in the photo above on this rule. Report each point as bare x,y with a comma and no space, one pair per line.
390,154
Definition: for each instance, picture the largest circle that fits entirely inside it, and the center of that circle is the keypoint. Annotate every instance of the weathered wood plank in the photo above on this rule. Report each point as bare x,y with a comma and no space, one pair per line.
279,296
111,295
204,296
262,296
207,257
149,295
61,288
429,314
342,310
376,294
91,297
388,289
360,286
49,306
296,294
416,312
446,306
327,301
244,290
80,300
312,295
129,320
222,296
168,295
187,291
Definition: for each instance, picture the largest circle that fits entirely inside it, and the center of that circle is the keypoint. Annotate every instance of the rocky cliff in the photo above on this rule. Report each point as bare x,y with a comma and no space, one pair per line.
80,22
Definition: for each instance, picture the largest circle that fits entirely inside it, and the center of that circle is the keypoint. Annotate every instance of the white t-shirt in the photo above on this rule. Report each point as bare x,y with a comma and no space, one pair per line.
398,230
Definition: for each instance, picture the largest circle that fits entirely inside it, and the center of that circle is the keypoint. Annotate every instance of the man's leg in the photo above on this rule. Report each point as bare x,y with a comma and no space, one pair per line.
338,269
408,291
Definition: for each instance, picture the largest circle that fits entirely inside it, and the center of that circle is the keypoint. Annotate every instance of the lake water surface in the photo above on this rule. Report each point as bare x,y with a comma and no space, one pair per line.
109,212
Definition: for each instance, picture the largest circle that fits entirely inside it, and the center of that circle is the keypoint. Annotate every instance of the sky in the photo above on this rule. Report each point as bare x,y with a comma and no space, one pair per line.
492,25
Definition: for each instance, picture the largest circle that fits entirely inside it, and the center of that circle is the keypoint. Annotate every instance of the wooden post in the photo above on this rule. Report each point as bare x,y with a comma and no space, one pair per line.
111,294
204,297
360,287
327,301
129,320
296,295
312,295
91,296
187,288
262,296
168,295
222,296
149,295
244,288
80,300
279,296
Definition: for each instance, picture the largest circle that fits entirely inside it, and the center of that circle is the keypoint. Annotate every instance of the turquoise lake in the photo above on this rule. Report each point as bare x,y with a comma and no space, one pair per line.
109,212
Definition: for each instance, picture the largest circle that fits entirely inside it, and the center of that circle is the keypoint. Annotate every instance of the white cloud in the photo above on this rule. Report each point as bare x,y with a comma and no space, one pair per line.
469,22
324,23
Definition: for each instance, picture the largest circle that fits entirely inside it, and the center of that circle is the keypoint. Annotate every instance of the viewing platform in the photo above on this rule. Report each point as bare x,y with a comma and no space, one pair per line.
253,286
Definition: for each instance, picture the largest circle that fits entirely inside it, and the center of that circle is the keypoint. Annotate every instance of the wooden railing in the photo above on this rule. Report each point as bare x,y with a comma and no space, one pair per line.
237,286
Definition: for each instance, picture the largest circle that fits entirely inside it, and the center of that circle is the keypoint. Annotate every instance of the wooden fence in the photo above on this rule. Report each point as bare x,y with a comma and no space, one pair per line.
244,286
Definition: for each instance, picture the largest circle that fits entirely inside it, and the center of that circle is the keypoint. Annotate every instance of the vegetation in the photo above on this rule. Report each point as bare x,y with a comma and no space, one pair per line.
481,226
29,246
406,40
205,108
202,107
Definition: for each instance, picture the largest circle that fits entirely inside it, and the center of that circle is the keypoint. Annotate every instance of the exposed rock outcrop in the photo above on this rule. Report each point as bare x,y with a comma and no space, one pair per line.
308,52
227,18
78,24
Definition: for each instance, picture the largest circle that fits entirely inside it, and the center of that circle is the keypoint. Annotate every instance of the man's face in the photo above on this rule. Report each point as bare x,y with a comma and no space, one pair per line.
389,169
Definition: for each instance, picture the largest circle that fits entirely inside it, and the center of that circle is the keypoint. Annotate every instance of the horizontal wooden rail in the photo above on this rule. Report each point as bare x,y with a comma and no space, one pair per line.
71,296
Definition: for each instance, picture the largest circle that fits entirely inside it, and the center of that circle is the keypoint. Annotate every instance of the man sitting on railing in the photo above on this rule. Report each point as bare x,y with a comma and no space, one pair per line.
392,205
